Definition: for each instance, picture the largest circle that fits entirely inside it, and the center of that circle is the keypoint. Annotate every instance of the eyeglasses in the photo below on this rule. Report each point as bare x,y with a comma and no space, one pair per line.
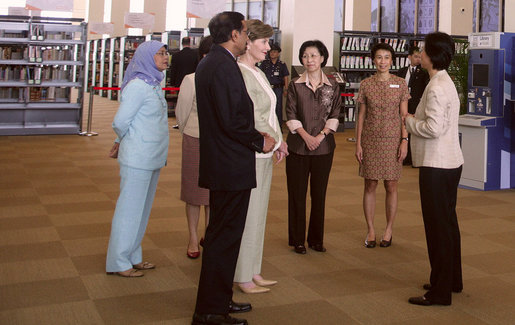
163,53
310,56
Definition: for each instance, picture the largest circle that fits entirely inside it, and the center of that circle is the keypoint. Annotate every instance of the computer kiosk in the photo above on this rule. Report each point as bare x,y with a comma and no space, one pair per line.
486,130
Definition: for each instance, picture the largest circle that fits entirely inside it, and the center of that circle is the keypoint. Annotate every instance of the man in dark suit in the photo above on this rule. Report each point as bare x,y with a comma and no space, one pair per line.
183,62
417,79
228,143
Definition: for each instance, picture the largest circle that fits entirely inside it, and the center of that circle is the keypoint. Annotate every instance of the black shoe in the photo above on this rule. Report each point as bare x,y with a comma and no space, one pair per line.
370,243
423,301
427,286
385,243
214,319
242,307
300,249
176,126
317,247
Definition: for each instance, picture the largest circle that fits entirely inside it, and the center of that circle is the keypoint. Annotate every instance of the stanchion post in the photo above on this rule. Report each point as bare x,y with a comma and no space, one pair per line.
88,132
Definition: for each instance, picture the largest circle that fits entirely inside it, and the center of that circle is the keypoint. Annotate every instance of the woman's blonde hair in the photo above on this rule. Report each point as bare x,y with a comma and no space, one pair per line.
257,29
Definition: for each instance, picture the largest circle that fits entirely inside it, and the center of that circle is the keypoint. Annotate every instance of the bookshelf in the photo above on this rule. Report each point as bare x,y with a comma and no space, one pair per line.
42,64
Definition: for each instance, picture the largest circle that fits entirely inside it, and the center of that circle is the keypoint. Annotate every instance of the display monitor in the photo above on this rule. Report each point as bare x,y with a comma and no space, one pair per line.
480,75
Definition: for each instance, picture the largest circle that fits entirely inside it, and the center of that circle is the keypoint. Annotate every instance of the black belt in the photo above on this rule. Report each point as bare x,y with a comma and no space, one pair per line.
277,86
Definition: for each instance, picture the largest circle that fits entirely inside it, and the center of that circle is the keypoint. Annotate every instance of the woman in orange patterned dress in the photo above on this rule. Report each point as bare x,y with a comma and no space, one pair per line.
381,138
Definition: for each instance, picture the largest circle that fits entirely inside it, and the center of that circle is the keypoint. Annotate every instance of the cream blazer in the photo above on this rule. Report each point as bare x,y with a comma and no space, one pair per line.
434,127
186,109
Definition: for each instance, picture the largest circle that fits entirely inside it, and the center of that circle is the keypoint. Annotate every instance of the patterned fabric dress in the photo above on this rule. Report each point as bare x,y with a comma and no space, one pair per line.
381,134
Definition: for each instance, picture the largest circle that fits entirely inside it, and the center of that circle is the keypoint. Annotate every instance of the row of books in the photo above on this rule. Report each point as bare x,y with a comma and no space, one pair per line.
34,94
33,53
360,62
132,45
350,114
356,43
34,75
37,33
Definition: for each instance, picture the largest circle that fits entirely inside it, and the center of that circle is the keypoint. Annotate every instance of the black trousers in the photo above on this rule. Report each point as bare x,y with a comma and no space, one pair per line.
228,211
300,169
438,193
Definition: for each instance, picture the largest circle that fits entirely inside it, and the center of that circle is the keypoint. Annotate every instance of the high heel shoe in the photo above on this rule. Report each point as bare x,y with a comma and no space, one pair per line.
256,289
264,283
386,243
370,243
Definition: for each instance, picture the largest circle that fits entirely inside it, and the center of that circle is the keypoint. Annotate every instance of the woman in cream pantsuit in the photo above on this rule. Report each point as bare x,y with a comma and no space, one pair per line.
248,268
141,124
436,150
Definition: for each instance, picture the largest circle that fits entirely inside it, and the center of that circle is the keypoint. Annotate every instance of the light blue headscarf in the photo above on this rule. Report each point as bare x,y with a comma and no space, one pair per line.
142,65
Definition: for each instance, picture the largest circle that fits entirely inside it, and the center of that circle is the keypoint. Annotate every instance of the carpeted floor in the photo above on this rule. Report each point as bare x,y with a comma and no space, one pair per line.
57,196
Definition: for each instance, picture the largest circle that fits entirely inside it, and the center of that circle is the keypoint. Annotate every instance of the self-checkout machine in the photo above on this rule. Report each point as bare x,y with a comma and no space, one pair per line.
486,130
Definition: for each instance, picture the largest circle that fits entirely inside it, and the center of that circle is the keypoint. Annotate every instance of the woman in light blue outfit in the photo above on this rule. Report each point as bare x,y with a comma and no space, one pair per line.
141,125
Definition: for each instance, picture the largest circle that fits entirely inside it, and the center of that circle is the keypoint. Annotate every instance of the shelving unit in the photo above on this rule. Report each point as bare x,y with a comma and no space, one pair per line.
114,67
128,45
41,75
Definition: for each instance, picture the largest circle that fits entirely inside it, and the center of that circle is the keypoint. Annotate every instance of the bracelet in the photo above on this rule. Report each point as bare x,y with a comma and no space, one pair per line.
406,138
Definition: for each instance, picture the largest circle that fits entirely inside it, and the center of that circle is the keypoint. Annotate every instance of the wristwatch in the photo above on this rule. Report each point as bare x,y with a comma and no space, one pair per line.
406,138
322,132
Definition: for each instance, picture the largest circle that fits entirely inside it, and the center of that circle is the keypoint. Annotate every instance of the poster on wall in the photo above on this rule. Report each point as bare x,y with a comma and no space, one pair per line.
50,5
139,20
17,11
101,28
204,8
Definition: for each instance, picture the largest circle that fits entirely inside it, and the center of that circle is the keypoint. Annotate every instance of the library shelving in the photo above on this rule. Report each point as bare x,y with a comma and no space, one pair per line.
42,64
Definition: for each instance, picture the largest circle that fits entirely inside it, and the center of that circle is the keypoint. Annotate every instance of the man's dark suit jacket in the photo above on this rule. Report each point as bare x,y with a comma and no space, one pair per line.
183,62
228,139
417,83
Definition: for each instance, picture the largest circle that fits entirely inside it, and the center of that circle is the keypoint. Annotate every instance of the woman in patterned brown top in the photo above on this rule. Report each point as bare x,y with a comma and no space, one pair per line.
312,109
381,138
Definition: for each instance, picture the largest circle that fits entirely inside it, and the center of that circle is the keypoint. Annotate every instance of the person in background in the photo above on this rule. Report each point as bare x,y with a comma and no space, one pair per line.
277,74
381,138
187,120
312,109
436,150
183,62
141,124
228,143
417,78
248,268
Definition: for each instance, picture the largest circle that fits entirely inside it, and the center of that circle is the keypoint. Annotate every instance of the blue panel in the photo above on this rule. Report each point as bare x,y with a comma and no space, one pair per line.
407,16
426,16
388,8
489,16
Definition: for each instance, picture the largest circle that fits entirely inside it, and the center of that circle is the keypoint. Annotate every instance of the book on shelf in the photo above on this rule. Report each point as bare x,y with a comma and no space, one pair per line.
37,32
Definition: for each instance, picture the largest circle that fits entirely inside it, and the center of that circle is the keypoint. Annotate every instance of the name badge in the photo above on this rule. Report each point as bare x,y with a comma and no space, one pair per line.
276,73
394,86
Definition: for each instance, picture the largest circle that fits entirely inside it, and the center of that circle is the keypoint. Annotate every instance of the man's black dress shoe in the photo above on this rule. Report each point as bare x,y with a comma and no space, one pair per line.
242,307
214,319
427,286
422,301
300,249
317,247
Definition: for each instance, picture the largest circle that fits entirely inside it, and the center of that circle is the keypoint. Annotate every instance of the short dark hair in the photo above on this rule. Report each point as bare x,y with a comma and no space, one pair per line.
275,47
413,49
222,25
381,46
204,46
186,40
439,47
320,47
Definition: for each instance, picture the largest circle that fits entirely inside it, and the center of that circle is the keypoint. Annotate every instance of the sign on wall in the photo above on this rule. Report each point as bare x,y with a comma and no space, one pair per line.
101,28
204,8
139,20
51,5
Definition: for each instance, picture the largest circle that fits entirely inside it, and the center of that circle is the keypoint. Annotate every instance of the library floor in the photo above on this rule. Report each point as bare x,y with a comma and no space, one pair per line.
57,195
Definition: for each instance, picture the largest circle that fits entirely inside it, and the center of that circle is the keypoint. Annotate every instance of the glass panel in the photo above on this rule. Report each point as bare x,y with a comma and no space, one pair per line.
271,13
426,16
338,15
373,25
228,5
489,16
255,10
474,16
407,16
241,7
388,10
